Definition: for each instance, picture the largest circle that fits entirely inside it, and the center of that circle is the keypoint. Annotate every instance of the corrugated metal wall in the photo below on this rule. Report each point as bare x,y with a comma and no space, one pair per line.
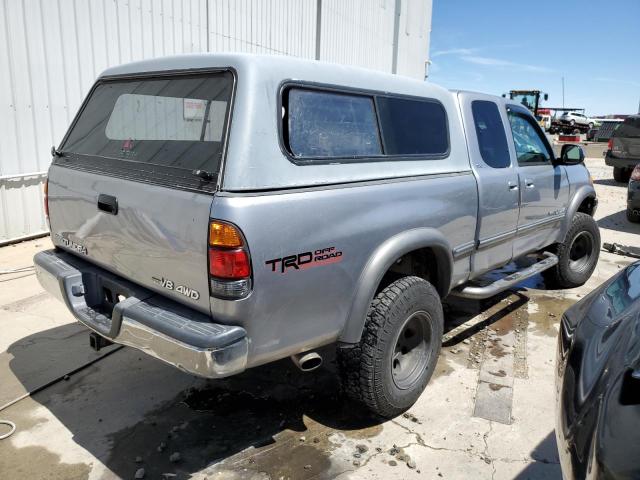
51,51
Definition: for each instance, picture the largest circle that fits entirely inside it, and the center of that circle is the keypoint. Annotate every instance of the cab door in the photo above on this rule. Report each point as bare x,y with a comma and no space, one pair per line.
492,162
544,187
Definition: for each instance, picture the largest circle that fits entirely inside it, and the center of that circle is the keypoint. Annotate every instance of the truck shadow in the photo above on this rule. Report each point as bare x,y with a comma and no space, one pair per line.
459,311
618,221
274,406
610,182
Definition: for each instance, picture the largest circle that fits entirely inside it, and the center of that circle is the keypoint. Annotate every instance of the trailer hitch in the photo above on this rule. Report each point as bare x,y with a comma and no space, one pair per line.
98,341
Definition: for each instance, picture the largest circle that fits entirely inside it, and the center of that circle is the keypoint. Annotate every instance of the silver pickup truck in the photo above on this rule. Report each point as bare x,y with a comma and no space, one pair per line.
219,212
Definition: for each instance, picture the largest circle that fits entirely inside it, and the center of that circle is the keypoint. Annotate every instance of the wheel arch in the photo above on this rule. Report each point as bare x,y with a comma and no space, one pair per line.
382,259
585,201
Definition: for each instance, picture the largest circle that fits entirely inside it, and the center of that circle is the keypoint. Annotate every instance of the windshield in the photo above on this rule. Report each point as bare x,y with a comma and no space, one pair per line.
177,122
528,100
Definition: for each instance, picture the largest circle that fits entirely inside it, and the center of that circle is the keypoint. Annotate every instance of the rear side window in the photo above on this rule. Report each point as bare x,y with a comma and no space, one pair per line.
323,124
413,127
492,139
174,122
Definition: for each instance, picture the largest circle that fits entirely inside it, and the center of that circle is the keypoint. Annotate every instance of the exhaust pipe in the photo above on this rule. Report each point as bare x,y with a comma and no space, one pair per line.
307,361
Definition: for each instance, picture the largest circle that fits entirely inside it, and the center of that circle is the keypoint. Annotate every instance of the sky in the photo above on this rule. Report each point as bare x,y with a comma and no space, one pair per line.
494,46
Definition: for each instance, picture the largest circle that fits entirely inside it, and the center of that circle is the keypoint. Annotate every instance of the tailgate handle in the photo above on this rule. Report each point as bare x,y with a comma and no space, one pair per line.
108,203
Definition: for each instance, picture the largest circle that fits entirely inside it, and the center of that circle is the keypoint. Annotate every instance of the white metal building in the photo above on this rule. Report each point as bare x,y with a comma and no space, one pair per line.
51,51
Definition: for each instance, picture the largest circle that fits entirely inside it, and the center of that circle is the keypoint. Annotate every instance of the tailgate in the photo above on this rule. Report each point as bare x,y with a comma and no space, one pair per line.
157,238
132,185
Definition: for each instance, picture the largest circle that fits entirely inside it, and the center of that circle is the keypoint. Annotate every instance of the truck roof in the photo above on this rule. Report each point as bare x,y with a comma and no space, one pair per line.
254,157
277,68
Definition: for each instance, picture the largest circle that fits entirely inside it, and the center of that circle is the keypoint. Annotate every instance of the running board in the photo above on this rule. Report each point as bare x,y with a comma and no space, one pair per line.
498,286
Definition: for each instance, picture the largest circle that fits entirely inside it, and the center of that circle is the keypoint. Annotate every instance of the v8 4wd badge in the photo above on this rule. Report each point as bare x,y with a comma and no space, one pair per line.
181,289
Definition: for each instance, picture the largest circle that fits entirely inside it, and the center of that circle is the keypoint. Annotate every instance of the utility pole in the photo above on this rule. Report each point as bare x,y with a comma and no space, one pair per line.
396,29
318,27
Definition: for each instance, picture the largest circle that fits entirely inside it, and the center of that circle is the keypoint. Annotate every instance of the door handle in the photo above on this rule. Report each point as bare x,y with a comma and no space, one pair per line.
513,186
528,183
108,203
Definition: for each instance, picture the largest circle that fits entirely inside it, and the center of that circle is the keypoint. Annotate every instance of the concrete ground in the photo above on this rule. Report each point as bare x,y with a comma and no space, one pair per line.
488,412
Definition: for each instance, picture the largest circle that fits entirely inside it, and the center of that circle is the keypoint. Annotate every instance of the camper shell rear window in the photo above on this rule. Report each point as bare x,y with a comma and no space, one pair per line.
160,129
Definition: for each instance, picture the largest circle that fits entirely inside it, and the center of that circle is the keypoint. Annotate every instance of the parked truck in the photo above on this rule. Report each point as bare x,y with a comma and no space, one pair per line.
219,212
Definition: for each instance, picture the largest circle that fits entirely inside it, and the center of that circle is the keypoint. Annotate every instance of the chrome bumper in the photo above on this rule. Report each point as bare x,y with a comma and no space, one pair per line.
144,320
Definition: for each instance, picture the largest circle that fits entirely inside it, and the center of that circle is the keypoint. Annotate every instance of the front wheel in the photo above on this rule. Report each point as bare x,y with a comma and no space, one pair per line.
397,354
577,255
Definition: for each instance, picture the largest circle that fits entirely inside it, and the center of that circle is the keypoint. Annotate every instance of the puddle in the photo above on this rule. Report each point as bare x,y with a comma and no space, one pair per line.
271,420
32,461
28,463
545,312
495,387
444,366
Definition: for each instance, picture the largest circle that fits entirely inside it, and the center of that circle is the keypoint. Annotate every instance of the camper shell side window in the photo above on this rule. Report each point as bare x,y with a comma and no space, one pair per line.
324,124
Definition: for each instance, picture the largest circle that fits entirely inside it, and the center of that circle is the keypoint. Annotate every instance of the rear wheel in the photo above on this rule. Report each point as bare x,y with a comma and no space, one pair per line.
621,174
391,366
577,255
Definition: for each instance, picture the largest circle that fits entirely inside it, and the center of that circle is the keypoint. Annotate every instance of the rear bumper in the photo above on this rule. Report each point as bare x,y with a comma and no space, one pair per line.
142,319
620,162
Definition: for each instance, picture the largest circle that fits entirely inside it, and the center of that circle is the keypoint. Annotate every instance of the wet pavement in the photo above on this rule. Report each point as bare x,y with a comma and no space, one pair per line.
488,412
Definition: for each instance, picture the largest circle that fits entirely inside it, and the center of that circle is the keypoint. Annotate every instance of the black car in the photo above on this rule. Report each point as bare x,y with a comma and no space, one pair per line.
623,152
598,382
633,196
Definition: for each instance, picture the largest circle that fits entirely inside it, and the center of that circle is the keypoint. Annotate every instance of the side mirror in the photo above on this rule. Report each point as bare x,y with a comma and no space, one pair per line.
571,155
546,97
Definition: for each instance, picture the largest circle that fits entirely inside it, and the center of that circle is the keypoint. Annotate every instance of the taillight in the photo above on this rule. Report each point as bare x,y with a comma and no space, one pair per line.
635,175
610,144
232,264
229,261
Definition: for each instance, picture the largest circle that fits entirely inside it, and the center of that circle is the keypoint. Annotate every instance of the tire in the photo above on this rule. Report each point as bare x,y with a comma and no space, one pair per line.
621,174
376,372
632,217
577,255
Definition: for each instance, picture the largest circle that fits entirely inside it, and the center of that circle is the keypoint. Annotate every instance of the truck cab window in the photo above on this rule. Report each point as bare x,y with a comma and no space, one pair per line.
492,140
529,144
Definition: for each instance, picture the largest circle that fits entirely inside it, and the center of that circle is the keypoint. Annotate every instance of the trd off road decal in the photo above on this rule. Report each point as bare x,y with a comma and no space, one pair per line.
322,256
